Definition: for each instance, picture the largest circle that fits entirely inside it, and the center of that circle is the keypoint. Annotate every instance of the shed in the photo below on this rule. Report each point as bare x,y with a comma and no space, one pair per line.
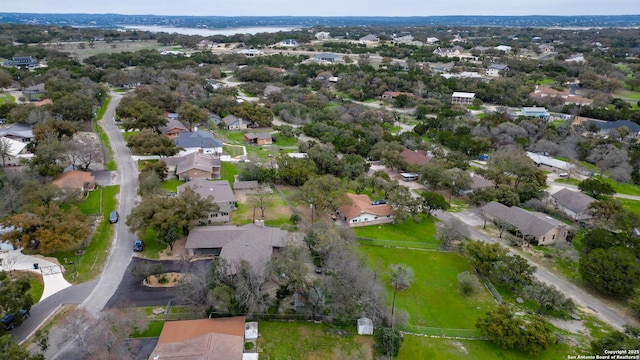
365,326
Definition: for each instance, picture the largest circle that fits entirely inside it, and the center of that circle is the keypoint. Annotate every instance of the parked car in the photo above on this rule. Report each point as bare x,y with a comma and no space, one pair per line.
113,217
138,245
9,320
379,202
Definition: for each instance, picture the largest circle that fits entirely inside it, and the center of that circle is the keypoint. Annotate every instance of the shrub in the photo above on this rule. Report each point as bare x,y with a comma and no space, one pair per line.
468,283
388,341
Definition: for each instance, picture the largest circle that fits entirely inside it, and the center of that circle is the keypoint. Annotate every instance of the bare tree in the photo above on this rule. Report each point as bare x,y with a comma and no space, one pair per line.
451,231
261,200
5,149
401,277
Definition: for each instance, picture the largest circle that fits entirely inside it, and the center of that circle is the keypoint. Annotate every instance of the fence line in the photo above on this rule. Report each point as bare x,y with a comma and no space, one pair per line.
399,244
284,198
490,287
466,334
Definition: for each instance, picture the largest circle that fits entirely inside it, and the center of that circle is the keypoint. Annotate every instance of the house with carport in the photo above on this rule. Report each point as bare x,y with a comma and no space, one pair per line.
361,212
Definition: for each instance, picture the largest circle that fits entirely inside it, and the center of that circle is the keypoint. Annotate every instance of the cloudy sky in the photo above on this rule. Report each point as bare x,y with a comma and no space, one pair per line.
327,7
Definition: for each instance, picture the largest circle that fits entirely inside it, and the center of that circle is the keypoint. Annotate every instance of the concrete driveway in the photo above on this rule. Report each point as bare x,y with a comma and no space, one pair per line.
51,272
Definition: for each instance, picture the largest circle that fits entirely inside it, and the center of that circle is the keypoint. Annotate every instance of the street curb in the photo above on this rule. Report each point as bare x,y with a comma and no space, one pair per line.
44,321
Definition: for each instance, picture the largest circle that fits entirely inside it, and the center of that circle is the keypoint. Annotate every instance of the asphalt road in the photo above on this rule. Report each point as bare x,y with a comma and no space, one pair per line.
121,251
579,296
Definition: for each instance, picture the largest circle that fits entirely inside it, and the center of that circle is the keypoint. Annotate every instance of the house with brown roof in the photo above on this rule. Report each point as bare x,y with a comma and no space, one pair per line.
74,179
573,203
43,102
545,92
253,243
173,128
361,212
415,157
221,193
202,339
529,225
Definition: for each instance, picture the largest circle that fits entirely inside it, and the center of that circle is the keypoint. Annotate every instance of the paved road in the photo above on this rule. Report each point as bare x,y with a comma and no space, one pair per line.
121,251
580,296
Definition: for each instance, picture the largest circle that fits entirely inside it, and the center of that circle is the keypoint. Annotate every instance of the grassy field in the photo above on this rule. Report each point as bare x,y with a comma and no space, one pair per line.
433,300
425,231
37,288
233,150
171,185
419,348
628,94
623,188
152,246
153,329
98,47
630,205
309,341
96,252
546,81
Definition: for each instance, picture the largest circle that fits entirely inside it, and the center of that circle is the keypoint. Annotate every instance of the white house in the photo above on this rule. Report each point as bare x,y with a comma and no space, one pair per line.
462,98
362,212
289,42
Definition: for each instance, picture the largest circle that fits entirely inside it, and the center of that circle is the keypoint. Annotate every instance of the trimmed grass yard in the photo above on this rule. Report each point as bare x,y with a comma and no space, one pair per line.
171,185
420,348
630,205
310,341
623,188
433,299
424,232
6,98
228,171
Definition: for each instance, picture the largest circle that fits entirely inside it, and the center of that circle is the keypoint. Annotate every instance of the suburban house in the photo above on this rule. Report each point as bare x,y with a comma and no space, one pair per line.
198,140
409,40
369,39
210,339
77,180
270,89
261,138
361,212
546,48
253,243
575,58
195,165
323,35
552,164
32,92
528,225
251,52
14,152
462,98
289,42
173,129
573,203
232,122
607,127
389,95
328,57
222,195
477,182
543,92
18,131
215,118
449,52
213,84
22,62
416,157
496,70
535,111
504,48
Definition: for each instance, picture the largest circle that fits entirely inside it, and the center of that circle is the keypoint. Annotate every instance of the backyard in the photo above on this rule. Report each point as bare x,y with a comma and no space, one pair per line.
433,299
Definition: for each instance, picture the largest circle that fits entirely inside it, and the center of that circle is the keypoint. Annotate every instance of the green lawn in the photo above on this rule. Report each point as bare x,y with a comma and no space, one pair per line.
152,330
306,340
111,163
152,246
228,171
630,205
425,231
233,150
433,300
6,98
623,188
419,348
286,141
91,204
96,252
171,185
628,94
572,181
546,81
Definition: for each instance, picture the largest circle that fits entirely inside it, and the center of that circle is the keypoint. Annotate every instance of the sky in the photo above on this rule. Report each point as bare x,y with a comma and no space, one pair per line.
327,7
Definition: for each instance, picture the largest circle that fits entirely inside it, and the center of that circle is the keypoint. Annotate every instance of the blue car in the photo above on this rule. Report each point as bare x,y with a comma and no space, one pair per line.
113,217
138,245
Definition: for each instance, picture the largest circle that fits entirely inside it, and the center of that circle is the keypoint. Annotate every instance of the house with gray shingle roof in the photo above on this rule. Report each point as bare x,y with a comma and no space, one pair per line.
18,131
221,193
232,122
198,140
253,243
196,165
573,203
496,70
529,225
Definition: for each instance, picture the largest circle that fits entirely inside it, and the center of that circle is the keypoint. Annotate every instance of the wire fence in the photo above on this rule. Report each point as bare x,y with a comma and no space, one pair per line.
490,287
466,334
399,244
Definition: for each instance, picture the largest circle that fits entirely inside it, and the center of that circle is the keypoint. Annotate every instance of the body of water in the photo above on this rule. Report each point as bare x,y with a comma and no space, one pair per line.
210,32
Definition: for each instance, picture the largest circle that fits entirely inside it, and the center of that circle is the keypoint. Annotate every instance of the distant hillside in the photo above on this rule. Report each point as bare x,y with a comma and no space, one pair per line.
220,22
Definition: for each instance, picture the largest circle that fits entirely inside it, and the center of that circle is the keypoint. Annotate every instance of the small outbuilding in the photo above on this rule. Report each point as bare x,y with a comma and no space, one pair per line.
365,326
251,330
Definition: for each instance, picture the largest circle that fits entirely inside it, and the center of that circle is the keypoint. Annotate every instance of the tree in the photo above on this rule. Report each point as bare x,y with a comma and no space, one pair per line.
432,201
14,296
261,200
12,351
451,231
468,283
629,340
547,297
595,187
149,142
295,171
157,167
324,192
388,341
401,277
598,238
508,331
249,291
5,150
192,114
502,194
605,210
613,271
288,268
254,112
